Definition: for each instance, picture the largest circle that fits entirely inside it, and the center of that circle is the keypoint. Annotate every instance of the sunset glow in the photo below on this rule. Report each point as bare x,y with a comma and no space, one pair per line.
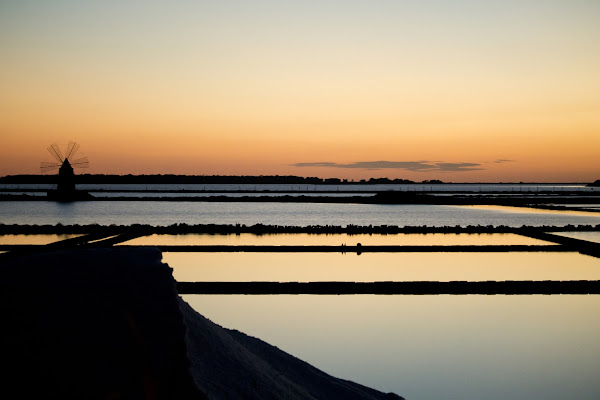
464,91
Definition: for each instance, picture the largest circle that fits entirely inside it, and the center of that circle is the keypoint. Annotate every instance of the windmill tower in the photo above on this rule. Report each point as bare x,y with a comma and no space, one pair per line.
65,189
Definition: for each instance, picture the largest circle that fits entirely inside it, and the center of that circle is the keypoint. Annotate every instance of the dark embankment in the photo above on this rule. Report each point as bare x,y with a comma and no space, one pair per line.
108,323
93,324
99,231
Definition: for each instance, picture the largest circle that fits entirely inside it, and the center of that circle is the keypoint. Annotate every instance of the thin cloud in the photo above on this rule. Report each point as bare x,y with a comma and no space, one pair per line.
407,165
501,160
418,166
457,167
316,164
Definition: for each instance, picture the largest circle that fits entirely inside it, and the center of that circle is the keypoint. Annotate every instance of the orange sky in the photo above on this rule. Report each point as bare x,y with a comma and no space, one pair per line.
450,90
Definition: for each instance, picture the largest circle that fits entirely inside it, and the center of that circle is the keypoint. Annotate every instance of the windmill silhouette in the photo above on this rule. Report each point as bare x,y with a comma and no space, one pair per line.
65,190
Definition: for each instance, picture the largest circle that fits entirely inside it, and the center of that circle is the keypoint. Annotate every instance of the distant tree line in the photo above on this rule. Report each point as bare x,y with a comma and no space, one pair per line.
261,229
596,184
201,179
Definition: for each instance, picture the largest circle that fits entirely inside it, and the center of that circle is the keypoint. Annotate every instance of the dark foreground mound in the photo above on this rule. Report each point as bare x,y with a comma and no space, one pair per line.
108,324
228,364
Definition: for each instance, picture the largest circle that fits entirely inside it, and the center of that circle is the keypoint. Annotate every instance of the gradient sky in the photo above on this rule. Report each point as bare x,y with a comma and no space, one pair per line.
457,90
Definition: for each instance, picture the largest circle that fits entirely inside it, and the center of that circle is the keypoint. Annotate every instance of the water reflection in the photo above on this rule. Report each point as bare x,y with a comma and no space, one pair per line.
305,239
432,347
589,236
34,239
369,267
226,194
286,214
530,210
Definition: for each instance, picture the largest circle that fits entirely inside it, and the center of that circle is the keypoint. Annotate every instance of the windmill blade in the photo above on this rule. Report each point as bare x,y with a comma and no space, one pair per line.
80,163
49,166
72,149
55,151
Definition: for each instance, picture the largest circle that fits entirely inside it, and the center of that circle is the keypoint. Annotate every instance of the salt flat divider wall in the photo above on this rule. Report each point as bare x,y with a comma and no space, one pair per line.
563,244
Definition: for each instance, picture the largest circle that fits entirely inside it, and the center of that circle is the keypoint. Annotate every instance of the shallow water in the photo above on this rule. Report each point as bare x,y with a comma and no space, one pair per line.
531,211
432,347
306,239
288,214
34,239
245,194
421,347
370,267
589,236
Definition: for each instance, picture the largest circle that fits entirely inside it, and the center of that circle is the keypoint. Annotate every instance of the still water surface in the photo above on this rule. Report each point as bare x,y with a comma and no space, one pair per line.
589,236
34,239
421,347
370,267
337,239
432,347
289,214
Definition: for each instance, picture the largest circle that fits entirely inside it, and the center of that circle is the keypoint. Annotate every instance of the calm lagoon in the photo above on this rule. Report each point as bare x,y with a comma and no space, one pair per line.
34,239
432,347
421,347
289,214
336,239
589,236
374,267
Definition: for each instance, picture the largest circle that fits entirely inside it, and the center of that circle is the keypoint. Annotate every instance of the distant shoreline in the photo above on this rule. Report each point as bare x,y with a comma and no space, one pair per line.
246,180
261,229
555,202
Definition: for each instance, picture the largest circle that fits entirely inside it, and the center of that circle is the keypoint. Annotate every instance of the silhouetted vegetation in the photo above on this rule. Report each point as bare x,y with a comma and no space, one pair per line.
397,197
595,184
261,229
199,179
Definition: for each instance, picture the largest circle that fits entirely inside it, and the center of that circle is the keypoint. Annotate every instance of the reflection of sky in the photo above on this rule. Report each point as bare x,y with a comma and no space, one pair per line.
179,194
369,267
432,347
34,239
305,239
530,210
288,214
589,236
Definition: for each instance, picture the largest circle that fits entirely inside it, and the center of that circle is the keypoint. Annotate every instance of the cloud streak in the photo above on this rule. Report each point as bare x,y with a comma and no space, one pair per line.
418,166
